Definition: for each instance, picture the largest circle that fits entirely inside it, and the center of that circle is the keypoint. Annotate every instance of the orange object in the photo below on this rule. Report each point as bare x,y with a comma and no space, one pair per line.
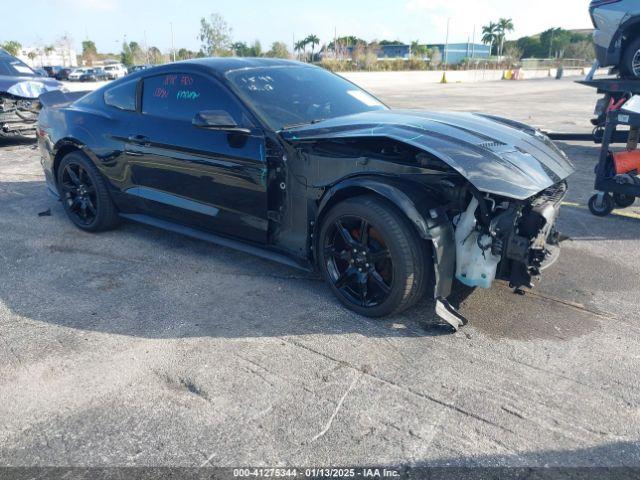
626,162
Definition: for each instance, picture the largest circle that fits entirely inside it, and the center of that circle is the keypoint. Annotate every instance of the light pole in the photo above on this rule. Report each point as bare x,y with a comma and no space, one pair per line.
446,44
173,48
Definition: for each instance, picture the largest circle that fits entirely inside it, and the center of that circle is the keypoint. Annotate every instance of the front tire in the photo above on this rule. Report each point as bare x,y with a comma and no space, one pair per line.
84,194
631,60
372,258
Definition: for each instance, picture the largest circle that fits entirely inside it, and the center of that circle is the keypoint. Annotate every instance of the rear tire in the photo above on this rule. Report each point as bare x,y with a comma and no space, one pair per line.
84,194
372,258
630,66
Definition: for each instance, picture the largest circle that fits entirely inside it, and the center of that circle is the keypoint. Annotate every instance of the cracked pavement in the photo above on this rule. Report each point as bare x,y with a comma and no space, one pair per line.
140,347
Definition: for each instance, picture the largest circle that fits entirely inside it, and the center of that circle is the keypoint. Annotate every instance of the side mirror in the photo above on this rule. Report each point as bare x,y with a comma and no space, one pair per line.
218,120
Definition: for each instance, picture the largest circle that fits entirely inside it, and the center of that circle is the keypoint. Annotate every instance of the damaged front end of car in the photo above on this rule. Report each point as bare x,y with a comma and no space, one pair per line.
20,104
18,115
505,239
484,192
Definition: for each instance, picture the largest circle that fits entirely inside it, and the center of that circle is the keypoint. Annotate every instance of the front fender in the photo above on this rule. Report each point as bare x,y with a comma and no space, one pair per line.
419,206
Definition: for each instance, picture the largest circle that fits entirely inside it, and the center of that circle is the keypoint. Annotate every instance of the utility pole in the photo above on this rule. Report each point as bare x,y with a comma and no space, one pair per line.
473,43
446,45
173,47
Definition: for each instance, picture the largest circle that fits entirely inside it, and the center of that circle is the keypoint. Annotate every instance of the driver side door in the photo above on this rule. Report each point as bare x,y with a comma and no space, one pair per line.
205,179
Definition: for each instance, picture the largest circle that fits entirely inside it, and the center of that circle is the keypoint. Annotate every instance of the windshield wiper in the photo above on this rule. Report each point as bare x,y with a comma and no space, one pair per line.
302,124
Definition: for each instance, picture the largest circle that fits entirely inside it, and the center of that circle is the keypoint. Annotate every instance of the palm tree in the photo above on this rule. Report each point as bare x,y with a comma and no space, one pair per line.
313,40
490,35
504,25
300,47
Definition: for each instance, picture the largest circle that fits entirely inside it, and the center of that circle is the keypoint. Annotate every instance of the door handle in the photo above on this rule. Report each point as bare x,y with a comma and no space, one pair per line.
139,140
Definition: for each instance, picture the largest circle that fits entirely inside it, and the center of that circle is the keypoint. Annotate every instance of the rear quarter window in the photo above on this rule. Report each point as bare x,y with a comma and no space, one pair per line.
122,96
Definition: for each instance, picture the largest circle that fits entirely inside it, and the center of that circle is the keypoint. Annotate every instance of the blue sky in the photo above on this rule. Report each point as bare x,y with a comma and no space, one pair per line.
42,22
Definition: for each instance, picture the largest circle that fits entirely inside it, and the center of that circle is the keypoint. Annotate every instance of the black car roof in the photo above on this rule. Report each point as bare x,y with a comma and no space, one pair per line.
219,66
222,65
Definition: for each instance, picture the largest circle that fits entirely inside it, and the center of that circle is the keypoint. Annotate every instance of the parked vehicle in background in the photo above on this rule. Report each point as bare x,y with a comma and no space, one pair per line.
76,73
52,71
137,68
294,163
115,71
20,87
617,34
94,75
63,74
41,72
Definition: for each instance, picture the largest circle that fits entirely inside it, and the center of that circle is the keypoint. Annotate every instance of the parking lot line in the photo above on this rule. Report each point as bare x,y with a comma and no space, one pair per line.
619,214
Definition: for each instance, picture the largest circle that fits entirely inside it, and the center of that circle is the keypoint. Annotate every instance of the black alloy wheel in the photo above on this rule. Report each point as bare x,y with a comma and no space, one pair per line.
84,194
359,262
371,257
79,194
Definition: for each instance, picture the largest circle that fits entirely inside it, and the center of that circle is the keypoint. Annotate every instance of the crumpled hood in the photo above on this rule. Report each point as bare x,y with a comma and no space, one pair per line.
28,86
496,155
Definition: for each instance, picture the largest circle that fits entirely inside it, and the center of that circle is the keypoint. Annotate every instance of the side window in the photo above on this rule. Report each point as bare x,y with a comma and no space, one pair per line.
123,96
180,96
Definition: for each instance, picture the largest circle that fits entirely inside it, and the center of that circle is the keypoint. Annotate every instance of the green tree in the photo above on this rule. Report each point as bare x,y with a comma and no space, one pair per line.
345,42
215,35
313,40
155,56
505,25
419,51
184,54
279,50
490,34
554,41
89,52
241,49
531,47
12,47
126,57
300,48
256,49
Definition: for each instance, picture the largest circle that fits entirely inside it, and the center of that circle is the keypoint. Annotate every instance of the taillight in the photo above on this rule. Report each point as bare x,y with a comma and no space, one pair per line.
599,3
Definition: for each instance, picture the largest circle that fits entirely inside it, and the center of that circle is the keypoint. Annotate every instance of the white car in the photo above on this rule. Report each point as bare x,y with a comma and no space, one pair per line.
115,71
76,73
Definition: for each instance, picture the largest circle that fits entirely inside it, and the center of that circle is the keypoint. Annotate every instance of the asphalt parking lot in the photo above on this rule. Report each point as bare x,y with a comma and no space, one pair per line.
141,347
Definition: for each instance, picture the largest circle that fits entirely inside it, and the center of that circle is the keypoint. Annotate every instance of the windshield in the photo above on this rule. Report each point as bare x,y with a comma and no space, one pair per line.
14,67
290,96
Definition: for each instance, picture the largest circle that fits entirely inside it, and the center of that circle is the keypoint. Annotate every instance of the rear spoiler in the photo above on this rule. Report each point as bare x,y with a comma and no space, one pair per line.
58,98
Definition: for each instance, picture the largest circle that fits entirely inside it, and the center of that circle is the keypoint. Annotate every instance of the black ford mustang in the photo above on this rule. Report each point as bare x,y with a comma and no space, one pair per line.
293,163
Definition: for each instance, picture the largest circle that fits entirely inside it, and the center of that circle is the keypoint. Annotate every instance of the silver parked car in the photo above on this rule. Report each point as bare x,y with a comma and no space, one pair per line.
617,34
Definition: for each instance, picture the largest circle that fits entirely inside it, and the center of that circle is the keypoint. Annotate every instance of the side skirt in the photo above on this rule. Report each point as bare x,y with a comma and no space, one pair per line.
255,250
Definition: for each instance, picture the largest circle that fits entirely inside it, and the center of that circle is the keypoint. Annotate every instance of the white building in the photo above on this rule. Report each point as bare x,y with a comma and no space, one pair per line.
38,57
